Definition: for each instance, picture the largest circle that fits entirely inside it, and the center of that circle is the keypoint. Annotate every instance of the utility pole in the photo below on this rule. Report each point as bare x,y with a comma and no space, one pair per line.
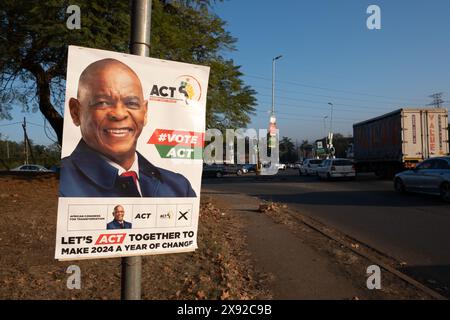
25,145
437,100
141,12
26,142
330,135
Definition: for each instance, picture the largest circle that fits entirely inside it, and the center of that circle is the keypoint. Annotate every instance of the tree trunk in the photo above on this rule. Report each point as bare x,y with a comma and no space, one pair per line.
45,105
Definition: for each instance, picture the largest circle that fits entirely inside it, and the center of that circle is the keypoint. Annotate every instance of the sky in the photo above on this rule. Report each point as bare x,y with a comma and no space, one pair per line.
328,56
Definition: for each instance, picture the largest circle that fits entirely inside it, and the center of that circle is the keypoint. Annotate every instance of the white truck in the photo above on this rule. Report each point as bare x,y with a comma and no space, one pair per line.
400,139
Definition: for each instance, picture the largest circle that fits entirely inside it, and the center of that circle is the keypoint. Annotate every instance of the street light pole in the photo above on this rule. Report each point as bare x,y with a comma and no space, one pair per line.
273,83
331,119
330,136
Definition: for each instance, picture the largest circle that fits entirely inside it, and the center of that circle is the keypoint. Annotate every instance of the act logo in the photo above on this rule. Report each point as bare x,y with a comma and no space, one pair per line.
167,215
190,87
185,89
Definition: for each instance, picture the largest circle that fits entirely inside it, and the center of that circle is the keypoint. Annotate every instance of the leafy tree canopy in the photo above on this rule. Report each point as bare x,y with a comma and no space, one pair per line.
287,150
34,40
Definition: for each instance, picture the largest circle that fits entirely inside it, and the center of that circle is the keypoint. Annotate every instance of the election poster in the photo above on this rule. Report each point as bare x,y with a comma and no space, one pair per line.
132,155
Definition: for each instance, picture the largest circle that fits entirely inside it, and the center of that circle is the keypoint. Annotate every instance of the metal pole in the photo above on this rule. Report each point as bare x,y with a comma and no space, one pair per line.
24,126
140,27
331,131
139,45
273,86
273,83
331,119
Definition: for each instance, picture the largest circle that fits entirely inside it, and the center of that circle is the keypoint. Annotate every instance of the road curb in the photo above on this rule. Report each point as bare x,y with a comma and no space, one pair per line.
317,226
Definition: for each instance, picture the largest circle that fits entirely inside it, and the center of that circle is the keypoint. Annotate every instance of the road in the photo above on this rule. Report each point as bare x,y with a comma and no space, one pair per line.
411,228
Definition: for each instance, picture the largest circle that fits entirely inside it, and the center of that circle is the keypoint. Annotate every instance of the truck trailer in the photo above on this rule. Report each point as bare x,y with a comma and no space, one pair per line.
399,140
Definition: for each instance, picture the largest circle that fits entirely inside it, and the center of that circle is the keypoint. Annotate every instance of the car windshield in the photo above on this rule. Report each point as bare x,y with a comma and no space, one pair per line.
425,165
315,161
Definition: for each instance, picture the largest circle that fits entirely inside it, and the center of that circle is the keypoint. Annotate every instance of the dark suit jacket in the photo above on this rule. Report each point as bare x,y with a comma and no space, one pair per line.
86,174
116,225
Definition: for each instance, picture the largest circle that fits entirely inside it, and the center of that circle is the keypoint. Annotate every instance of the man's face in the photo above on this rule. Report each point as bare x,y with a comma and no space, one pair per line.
110,111
118,213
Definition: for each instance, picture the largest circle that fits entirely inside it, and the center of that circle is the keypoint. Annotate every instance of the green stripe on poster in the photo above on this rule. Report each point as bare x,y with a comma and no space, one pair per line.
179,152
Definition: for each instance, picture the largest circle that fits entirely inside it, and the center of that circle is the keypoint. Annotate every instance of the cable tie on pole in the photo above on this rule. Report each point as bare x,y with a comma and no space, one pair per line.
145,44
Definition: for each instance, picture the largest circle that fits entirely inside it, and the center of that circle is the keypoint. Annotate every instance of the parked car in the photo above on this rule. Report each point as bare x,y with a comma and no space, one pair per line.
219,170
298,164
31,168
336,168
431,176
237,169
250,167
213,170
309,166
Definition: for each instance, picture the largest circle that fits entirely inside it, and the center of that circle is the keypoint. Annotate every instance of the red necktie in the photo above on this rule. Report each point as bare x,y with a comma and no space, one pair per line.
130,174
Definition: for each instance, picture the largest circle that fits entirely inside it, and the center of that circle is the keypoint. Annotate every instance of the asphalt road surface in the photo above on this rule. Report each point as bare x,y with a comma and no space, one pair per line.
411,228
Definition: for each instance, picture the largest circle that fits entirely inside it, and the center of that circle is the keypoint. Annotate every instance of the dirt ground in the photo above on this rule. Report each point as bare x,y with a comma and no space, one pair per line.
220,269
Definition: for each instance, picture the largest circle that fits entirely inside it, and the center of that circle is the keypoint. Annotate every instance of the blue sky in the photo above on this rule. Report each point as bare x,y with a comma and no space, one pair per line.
329,55
326,44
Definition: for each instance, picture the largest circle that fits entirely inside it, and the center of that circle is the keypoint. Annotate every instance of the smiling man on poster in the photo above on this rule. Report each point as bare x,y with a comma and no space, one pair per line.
111,112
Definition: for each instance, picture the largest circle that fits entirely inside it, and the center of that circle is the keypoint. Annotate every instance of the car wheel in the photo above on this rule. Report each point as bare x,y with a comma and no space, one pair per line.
239,172
399,186
219,174
328,176
445,192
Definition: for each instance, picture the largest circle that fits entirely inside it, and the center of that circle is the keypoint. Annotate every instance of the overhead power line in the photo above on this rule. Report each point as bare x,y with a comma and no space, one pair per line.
337,90
325,96
325,108
314,117
326,102
9,124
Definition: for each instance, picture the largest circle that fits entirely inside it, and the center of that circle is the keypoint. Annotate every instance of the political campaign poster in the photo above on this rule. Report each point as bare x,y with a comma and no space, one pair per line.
132,155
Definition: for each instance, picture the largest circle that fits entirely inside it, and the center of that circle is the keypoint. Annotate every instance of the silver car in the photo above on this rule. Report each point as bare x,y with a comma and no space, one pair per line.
336,168
31,168
430,176
309,166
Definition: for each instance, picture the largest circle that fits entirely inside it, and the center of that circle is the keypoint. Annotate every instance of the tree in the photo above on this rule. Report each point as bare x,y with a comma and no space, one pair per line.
34,40
305,149
341,145
287,150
